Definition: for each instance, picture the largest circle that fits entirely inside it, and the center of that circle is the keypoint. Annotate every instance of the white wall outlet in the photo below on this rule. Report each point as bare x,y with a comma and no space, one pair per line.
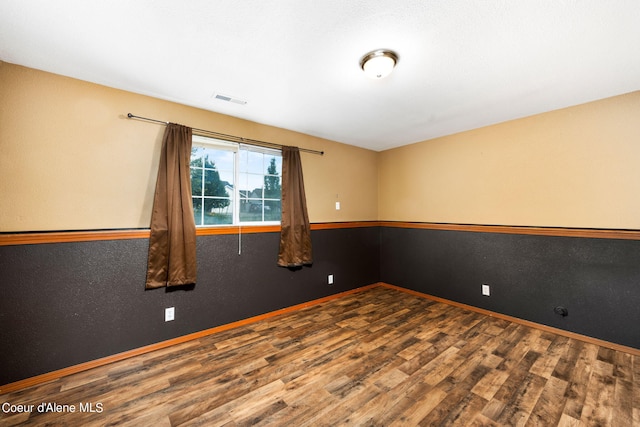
486,290
330,279
169,314
337,206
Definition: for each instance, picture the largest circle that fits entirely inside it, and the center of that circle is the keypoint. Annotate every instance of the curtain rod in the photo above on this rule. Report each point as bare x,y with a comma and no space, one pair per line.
227,137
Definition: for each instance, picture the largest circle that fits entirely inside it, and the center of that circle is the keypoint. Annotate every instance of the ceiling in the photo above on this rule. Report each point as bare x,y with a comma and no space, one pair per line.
463,64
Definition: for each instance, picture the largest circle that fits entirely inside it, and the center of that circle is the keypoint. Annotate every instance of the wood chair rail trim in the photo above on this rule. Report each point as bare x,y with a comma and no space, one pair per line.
596,233
34,238
43,237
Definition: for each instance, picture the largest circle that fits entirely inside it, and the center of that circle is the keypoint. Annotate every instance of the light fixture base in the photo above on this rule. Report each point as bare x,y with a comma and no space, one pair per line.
379,63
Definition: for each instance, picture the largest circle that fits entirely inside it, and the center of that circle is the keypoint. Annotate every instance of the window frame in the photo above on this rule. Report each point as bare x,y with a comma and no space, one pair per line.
236,148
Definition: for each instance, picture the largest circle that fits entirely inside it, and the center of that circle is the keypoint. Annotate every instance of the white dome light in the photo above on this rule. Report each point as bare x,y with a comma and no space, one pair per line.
379,63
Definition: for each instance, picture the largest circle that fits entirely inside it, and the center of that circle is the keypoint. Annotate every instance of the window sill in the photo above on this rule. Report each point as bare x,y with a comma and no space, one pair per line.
235,229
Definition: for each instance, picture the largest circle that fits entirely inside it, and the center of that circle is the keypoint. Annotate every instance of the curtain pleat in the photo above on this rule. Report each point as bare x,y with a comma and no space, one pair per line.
295,235
172,243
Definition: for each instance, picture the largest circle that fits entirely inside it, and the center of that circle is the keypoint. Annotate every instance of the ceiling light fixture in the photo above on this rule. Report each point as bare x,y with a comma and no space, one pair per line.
379,63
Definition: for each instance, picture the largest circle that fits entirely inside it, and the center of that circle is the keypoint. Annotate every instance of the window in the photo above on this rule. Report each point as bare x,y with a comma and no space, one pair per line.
235,184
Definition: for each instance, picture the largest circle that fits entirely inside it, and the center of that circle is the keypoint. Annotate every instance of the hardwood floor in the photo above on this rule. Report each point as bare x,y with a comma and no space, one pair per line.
380,357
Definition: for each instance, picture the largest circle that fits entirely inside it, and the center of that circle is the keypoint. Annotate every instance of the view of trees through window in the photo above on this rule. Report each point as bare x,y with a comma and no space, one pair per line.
233,185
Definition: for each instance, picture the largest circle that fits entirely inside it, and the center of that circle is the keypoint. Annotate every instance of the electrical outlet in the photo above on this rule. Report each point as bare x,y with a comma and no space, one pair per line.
169,314
337,206
486,290
330,279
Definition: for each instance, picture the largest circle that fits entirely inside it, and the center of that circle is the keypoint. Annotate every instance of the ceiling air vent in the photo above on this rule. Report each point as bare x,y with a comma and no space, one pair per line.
227,98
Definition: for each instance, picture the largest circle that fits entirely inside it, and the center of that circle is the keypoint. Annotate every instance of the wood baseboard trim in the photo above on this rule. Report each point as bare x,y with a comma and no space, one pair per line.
562,332
52,376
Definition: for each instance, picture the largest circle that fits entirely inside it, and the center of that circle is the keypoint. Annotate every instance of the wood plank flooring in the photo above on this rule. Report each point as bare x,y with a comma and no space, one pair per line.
380,357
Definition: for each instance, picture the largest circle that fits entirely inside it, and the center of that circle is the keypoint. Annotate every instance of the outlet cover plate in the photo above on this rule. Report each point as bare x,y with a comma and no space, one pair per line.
169,314
486,290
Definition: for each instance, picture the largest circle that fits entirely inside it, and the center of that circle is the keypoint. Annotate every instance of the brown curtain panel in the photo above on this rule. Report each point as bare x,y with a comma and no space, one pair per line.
172,243
295,235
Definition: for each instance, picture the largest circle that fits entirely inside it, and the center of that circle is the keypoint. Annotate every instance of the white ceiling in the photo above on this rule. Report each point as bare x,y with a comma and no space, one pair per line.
463,63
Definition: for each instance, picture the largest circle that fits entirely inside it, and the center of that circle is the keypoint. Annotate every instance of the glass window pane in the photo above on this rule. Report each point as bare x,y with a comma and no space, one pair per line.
242,186
196,156
250,210
213,185
212,157
224,160
251,161
218,211
272,164
242,160
251,185
272,187
213,176
196,181
272,210
197,210
227,179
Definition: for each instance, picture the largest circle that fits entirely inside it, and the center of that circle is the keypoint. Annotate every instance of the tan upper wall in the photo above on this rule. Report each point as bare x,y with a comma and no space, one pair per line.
70,160
575,167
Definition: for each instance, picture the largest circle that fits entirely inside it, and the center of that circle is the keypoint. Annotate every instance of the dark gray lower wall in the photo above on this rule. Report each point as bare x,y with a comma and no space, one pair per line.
597,280
67,303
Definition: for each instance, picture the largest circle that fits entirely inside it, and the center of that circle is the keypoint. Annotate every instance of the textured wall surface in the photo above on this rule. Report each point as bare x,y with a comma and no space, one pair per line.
595,279
68,303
